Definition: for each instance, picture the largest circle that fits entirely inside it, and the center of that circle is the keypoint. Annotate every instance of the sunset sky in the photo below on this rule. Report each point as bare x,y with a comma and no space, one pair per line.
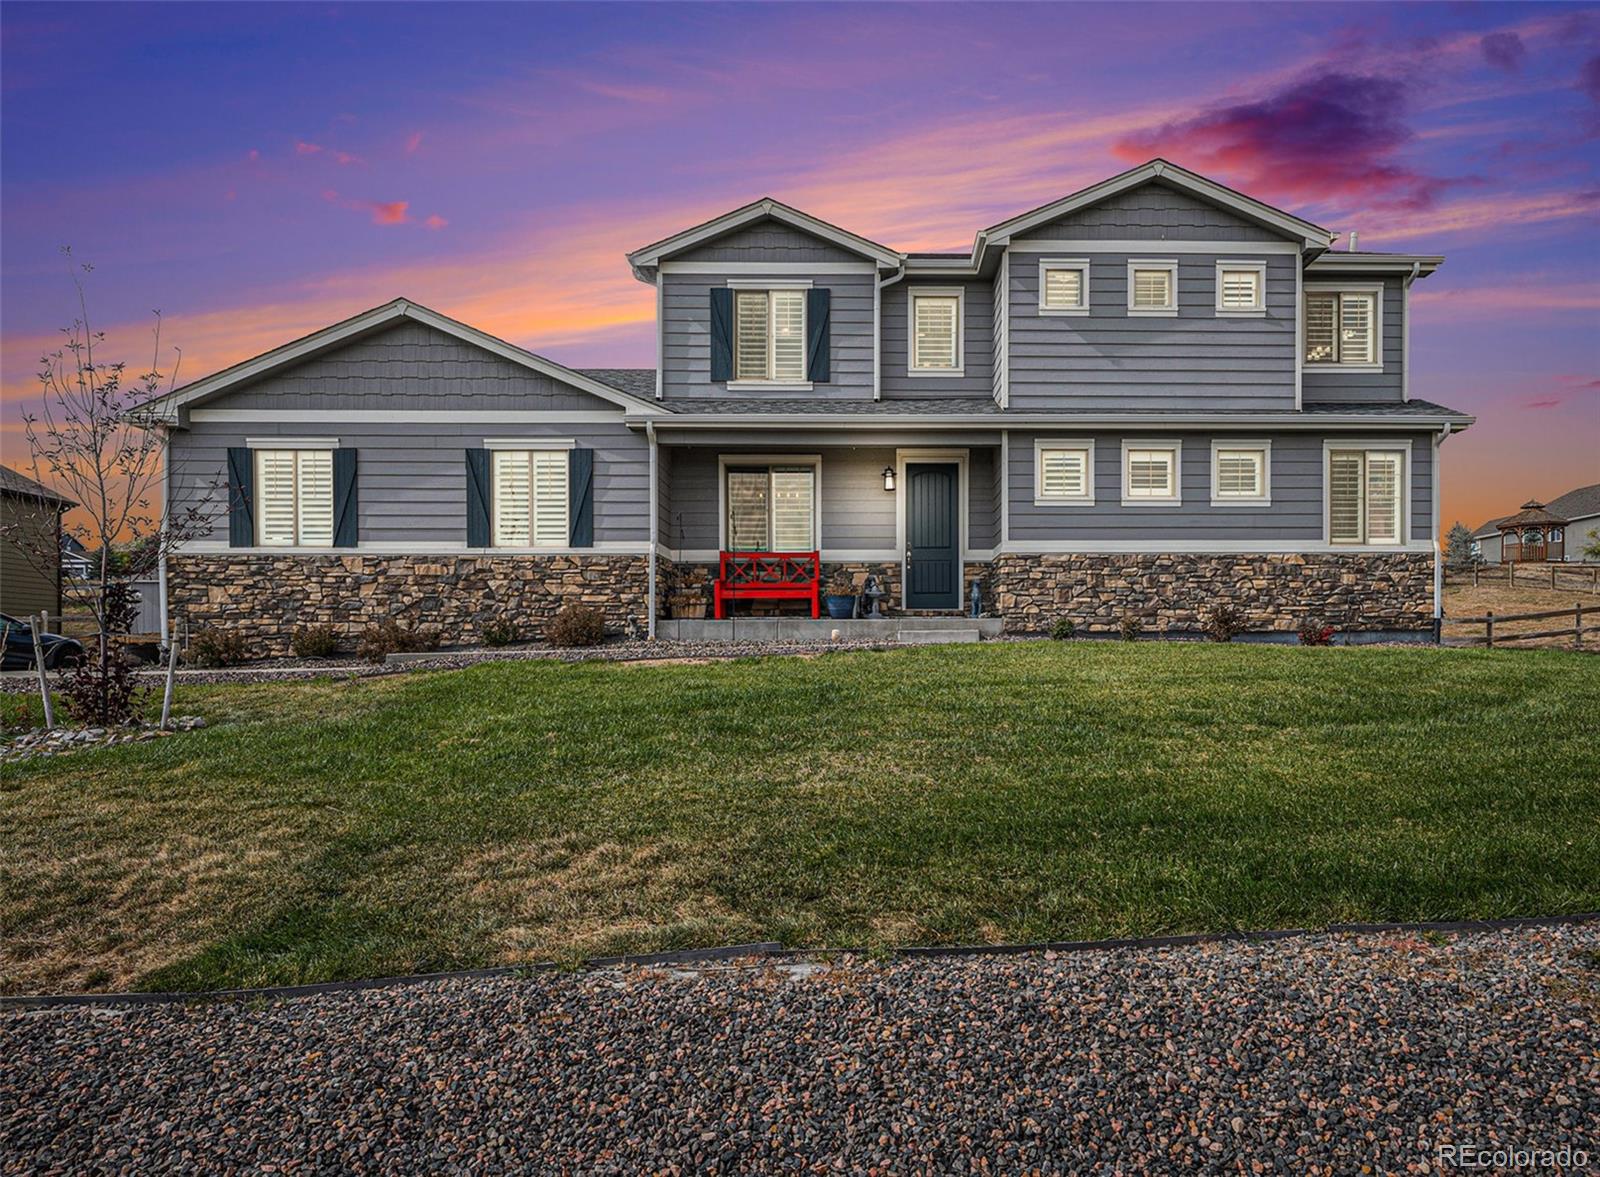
257,172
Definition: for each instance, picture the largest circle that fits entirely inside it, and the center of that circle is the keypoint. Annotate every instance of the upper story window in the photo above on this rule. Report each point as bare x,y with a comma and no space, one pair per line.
1341,326
1063,472
1150,473
1241,288
769,338
936,348
1152,287
1064,286
530,498
771,508
1239,473
294,498
1366,495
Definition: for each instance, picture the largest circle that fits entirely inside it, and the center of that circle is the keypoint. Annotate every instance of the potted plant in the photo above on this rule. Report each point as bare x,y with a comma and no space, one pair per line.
841,595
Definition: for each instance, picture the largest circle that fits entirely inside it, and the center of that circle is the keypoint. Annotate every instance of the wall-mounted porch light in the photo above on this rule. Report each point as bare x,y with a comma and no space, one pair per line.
888,478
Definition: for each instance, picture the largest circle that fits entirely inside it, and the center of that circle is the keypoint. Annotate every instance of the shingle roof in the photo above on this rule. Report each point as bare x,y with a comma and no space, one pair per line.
1490,528
12,482
1578,504
634,381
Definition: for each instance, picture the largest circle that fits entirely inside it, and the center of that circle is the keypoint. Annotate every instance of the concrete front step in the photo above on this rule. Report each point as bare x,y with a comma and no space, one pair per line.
805,629
930,637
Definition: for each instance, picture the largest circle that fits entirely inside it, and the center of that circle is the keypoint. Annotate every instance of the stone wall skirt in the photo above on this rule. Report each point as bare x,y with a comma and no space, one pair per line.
267,597
1354,591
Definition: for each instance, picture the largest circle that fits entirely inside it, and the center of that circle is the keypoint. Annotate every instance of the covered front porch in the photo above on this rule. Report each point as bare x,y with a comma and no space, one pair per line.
764,527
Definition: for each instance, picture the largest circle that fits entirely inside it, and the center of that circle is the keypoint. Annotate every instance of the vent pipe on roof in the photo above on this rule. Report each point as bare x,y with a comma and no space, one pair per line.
1352,246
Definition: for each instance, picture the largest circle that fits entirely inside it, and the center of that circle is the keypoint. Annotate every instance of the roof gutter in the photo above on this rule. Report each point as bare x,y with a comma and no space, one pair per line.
878,421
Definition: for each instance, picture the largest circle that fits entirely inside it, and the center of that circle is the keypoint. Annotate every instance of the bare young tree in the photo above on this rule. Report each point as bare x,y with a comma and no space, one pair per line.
85,440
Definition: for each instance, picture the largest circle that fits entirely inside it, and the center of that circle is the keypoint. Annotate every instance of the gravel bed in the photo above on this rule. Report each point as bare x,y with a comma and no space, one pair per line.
1317,1054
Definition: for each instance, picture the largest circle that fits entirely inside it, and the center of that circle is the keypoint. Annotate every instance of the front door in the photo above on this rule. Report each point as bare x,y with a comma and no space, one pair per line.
933,536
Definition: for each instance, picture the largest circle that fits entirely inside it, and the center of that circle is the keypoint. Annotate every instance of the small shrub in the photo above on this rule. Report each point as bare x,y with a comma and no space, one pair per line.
15,714
391,636
1063,629
214,648
576,625
314,641
1129,627
103,698
499,632
1226,621
1315,632
841,584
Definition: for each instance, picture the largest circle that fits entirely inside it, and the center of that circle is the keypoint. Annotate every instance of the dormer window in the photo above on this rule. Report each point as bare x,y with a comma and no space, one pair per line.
769,342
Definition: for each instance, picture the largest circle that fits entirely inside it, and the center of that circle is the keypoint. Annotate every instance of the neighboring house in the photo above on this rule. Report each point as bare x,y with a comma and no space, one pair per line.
77,563
1147,397
1580,509
30,534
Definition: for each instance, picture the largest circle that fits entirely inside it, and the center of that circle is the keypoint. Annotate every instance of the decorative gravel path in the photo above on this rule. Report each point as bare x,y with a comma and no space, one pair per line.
1315,1054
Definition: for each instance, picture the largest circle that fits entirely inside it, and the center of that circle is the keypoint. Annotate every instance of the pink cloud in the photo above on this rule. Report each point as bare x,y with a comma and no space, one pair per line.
343,158
391,212
413,141
301,147
434,221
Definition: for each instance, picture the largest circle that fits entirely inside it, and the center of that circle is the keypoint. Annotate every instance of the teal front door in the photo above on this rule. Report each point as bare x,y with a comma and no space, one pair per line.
933,536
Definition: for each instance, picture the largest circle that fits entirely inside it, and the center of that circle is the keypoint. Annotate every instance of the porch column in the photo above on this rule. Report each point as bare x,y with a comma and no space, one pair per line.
655,528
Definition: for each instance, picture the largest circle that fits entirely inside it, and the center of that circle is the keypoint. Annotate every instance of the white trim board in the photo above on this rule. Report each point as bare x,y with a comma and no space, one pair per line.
404,416
222,548
1198,547
1131,245
757,210
291,443
740,269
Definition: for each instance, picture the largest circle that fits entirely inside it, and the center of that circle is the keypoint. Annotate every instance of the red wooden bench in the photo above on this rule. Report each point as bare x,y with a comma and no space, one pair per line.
768,576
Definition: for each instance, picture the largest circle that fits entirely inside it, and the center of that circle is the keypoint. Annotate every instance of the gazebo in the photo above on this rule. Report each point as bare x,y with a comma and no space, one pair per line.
1533,534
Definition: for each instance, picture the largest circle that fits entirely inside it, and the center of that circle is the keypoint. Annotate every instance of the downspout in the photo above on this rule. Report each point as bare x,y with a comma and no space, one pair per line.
1405,332
1438,555
166,536
877,328
655,531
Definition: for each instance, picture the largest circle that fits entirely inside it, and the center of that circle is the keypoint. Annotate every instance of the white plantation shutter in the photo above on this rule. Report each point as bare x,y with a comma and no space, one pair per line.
793,510
275,489
1355,328
1345,472
1240,474
314,498
550,498
1383,498
1241,289
934,332
1063,289
788,335
513,497
1320,312
1150,474
751,342
1064,474
748,511
1152,289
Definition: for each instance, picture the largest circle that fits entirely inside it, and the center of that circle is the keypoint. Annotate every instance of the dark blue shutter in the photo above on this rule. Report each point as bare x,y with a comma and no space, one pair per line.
241,498
477,498
721,333
817,347
345,520
580,497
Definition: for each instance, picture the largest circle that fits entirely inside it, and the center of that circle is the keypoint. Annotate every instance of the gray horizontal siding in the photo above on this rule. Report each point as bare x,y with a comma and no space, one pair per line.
686,334
767,241
1328,385
1153,211
1294,515
977,377
411,479
408,366
1110,359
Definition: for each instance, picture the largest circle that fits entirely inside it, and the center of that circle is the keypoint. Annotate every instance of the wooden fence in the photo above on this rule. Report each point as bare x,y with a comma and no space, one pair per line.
1488,621
1579,578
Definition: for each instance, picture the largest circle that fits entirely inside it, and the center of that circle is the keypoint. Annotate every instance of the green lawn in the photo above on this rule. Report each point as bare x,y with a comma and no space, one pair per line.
1005,792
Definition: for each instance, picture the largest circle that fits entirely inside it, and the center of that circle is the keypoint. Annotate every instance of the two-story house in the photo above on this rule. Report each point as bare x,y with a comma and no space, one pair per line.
1147,397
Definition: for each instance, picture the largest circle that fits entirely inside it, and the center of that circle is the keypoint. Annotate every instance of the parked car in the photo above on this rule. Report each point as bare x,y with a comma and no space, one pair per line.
58,651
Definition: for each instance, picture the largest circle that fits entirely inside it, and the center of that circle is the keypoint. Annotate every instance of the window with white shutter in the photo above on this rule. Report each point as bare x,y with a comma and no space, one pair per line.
1064,286
1239,473
769,336
935,333
1341,327
1152,287
294,498
1241,288
771,508
1063,472
1366,496
530,498
1150,473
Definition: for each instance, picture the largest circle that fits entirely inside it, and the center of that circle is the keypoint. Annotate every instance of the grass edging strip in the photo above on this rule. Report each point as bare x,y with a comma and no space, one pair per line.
768,948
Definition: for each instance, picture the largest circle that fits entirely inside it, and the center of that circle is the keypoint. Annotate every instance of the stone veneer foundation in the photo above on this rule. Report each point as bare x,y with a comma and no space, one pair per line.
1373,592
267,597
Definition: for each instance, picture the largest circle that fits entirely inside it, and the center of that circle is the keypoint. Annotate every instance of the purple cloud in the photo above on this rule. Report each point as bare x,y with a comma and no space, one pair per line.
1504,51
1589,78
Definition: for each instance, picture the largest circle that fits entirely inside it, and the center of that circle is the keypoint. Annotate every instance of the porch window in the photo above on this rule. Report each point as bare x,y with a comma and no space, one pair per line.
1366,495
530,499
1341,327
769,336
295,498
772,509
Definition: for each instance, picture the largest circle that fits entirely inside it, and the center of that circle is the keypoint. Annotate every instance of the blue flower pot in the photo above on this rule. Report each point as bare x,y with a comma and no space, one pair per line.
842,608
